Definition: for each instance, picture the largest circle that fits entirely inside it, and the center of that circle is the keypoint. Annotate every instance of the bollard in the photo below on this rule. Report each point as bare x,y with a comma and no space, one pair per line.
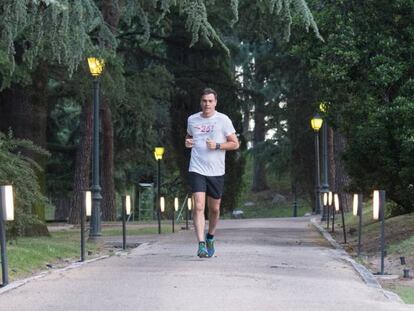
406,273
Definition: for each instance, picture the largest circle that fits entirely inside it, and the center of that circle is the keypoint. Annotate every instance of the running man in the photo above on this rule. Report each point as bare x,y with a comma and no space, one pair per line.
210,134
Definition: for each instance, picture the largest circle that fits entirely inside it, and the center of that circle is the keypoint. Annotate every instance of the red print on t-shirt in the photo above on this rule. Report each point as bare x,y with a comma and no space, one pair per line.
205,128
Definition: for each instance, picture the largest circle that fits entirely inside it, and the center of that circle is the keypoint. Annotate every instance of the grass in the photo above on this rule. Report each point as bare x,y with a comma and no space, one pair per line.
405,292
28,255
265,209
399,241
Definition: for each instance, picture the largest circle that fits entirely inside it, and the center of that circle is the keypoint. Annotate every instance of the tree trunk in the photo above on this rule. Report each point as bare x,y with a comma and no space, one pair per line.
259,182
331,160
341,177
111,15
81,181
108,202
39,127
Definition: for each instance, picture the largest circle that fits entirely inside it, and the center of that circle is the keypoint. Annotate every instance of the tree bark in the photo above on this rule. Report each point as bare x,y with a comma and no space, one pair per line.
108,202
341,177
81,181
331,160
259,182
111,15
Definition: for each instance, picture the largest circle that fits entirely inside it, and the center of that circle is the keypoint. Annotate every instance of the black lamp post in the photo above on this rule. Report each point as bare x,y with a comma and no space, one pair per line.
316,123
158,153
325,184
96,67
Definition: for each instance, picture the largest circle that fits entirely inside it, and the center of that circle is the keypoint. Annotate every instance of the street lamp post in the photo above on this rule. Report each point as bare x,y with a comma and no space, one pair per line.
96,67
158,153
316,123
325,184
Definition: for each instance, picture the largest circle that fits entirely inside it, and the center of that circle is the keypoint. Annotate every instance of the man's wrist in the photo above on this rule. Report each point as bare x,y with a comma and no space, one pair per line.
218,146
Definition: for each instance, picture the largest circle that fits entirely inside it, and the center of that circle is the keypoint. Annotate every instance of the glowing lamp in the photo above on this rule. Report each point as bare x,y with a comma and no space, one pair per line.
7,203
316,122
96,66
158,153
162,204
355,205
176,204
128,205
88,203
336,202
330,198
325,198
189,204
376,204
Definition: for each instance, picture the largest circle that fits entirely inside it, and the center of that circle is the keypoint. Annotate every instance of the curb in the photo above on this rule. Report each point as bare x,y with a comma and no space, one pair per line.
363,272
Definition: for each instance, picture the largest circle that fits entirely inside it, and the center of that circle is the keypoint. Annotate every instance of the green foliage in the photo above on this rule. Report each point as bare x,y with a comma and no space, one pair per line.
56,31
20,171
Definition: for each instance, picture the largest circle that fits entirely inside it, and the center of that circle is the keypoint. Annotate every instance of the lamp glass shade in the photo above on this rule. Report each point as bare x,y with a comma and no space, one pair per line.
128,205
355,204
176,204
323,107
88,203
316,123
336,202
162,204
158,153
330,198
375,205
189,204
7,203
325,198
96,66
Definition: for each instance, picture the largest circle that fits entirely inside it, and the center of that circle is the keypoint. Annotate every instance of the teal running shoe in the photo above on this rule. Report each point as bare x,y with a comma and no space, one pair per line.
202,250
210,247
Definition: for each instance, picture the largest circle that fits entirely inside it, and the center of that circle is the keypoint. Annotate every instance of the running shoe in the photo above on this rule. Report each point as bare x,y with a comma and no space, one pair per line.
202,250
210,247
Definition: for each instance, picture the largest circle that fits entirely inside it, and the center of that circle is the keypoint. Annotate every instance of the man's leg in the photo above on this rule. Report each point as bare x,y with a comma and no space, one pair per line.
213,214
198,214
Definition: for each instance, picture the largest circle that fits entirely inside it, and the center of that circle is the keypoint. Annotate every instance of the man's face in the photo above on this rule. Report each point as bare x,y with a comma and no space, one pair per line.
208,104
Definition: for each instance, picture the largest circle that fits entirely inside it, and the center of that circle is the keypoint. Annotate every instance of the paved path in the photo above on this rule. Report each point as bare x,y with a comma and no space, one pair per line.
276,264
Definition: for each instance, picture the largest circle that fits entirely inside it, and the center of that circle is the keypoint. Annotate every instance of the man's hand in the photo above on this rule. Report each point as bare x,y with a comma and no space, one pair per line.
189,143
211,144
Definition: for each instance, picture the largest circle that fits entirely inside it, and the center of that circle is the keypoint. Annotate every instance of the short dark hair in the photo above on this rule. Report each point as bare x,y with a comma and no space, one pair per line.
208,91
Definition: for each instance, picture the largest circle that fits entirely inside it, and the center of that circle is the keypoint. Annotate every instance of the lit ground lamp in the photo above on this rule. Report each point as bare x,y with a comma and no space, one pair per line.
126,211
357,211
187,211
339,207
175,209
86,210
6,214
329,205
378,202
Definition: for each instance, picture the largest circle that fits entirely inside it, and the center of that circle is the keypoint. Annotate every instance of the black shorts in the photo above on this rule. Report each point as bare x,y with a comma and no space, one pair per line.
211,185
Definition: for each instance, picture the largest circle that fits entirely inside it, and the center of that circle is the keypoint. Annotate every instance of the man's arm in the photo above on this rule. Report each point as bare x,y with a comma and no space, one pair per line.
232,143
189,141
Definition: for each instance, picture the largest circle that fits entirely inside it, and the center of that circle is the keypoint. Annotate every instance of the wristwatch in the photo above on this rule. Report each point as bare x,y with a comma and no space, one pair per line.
217,146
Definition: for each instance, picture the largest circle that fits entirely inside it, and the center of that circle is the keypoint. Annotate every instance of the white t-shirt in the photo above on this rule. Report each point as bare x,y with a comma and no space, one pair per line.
205,161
